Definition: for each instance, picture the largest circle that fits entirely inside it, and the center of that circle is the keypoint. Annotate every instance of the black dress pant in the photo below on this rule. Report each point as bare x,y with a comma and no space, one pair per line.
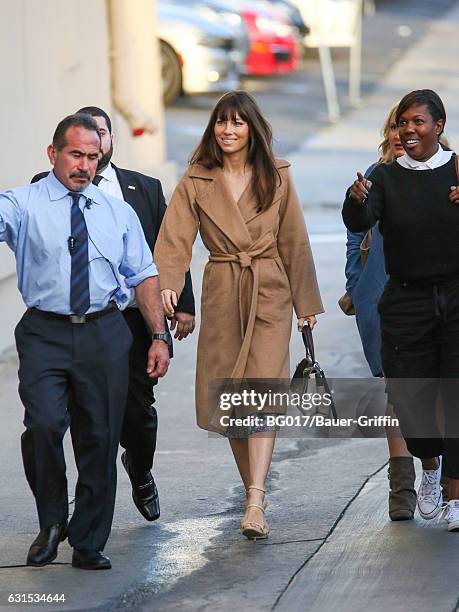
420,355
140,425
73,374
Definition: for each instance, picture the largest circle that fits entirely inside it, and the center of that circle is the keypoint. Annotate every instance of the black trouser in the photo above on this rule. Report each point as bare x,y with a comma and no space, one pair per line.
77,374
420,354
138,434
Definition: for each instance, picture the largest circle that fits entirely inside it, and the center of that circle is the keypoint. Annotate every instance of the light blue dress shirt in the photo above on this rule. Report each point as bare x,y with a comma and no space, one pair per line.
35,223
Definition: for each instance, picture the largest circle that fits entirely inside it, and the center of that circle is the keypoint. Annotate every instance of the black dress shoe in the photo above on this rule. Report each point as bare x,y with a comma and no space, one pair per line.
44,548
144,494
90,560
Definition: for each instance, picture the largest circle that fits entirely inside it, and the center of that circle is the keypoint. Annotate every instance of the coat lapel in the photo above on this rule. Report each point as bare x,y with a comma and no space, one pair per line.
127,189
247,205
215,200
253,212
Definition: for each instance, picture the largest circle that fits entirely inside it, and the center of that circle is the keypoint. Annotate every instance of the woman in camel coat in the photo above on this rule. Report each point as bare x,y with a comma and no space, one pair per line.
244,205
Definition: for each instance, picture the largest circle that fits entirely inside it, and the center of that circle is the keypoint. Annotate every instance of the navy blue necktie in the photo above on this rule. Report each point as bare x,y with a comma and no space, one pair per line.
79,275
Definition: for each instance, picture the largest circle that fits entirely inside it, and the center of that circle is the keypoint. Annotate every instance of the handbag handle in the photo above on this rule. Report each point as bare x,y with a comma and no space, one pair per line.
306,334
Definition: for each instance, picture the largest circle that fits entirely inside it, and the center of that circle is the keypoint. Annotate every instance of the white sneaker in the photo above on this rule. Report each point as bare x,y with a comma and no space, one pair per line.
430,498
451,514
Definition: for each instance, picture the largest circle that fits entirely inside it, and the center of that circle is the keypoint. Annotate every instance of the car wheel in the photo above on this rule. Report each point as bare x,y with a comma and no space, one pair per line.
171,73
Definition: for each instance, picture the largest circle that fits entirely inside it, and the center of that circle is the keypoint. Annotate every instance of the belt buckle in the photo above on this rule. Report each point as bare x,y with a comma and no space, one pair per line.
77,318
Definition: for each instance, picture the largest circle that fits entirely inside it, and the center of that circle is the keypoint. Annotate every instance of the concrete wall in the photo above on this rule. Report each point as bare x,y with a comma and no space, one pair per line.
56,58
138,48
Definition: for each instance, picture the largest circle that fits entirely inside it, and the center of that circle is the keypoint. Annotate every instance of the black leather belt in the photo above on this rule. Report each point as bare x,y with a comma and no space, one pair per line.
74,318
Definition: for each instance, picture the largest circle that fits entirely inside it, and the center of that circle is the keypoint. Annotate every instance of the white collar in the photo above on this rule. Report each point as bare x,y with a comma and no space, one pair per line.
109,173
440,158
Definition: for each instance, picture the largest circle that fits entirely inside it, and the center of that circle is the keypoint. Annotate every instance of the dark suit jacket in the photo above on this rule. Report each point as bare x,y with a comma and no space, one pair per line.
145,195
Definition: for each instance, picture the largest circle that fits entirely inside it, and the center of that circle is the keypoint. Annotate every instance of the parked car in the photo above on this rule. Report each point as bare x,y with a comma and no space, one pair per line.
219,11
196,53
294,16
274,44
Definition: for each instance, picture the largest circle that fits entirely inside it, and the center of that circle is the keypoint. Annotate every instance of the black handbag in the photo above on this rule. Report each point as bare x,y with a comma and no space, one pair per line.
309,378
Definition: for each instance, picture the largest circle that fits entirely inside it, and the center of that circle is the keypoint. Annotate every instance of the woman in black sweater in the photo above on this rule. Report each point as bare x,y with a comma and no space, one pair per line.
415,198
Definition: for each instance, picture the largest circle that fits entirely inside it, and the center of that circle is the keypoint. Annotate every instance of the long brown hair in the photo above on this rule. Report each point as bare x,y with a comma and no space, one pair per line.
260,154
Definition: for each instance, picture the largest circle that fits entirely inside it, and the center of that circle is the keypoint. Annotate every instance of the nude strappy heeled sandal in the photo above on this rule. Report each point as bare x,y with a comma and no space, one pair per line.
265,501
251,529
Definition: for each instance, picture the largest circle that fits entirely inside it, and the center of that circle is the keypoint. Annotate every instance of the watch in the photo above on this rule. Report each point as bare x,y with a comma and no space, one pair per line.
164,336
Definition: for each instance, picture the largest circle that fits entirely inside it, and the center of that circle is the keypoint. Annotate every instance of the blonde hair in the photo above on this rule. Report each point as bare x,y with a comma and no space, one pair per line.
443,140
386,153
385,150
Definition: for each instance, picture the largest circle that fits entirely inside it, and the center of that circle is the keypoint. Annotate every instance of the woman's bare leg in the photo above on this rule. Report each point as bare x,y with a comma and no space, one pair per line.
260,452
240,448
453,489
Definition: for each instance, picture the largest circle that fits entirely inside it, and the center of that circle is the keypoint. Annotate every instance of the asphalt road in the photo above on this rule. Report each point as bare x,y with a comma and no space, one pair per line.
295,103
194,557
369,563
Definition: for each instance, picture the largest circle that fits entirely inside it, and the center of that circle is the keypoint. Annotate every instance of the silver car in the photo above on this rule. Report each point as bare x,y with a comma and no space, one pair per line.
223,12
197,53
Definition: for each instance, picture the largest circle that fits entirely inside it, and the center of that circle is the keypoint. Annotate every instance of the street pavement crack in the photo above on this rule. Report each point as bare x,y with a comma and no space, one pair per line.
25,565
267,543
332,529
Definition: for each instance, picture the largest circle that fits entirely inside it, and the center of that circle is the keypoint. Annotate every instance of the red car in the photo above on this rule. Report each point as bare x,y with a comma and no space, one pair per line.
274,46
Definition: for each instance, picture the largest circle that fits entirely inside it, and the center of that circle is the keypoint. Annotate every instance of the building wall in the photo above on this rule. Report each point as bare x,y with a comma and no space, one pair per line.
55,59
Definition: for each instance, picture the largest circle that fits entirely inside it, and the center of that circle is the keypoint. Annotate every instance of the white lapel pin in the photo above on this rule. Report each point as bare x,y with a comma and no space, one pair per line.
131,187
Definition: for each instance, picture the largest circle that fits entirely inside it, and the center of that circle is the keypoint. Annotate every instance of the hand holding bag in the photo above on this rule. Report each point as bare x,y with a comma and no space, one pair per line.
310,378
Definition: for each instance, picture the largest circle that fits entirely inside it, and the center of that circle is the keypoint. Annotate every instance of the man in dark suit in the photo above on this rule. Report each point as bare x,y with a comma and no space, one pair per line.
139,430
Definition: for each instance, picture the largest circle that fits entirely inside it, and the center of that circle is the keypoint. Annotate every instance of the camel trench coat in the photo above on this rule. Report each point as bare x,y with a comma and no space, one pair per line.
260,264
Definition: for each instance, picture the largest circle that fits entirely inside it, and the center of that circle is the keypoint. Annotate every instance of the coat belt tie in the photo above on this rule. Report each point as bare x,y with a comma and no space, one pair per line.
263,248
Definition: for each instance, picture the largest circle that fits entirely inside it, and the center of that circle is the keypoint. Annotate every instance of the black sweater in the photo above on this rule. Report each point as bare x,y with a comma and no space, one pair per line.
420,226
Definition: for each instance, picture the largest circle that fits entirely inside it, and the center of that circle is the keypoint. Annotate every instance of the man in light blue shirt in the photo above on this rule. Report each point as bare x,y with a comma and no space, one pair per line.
73,243
35,222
